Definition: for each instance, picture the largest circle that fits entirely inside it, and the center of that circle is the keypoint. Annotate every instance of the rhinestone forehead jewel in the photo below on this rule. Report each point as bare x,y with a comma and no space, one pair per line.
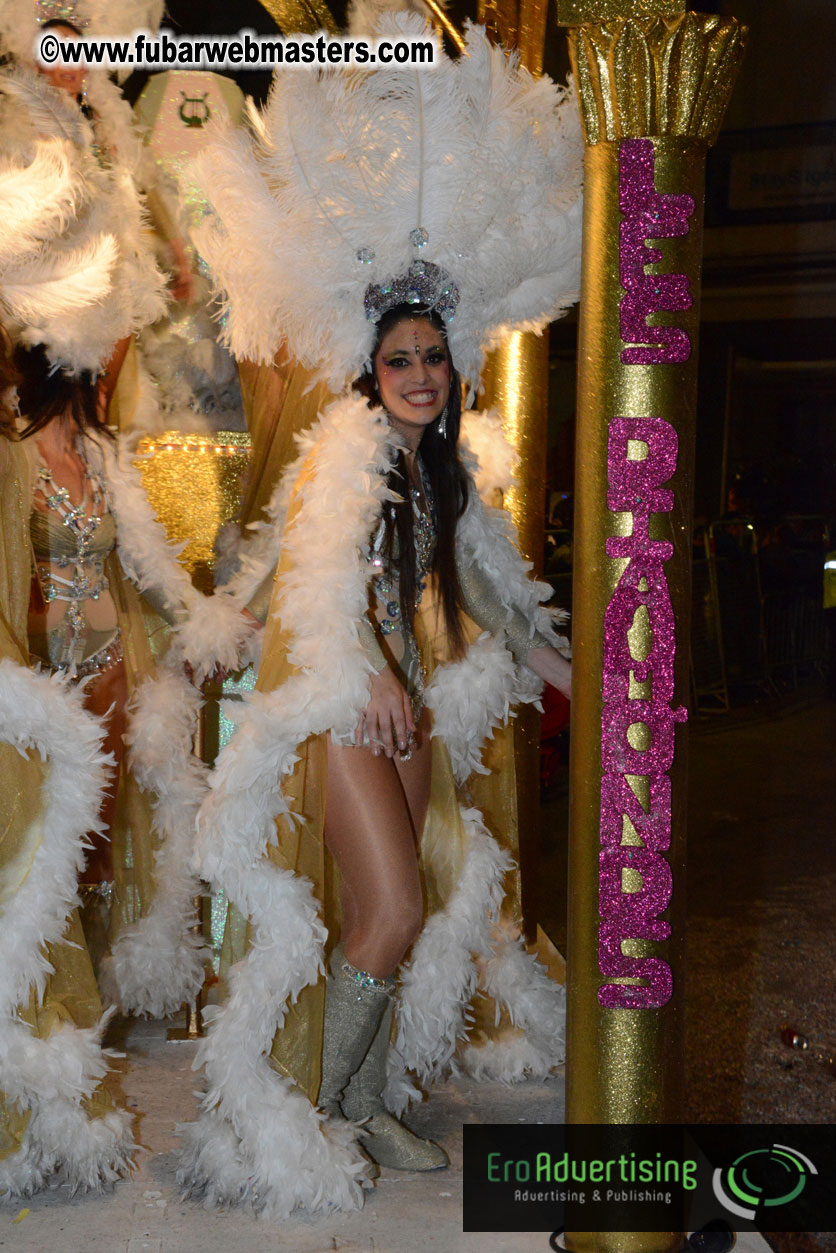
424,283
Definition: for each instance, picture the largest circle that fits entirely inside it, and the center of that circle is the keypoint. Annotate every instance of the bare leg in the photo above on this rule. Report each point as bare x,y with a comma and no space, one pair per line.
106,690
370,831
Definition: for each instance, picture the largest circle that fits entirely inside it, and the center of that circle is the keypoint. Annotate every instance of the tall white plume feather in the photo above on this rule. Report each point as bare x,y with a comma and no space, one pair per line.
364,16
51,1076
37,199
84,275
48,112
343,167
56,285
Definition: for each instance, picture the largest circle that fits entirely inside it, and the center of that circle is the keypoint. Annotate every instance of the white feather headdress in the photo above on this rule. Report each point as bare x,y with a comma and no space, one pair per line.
99,19
76,273
49,271
320,204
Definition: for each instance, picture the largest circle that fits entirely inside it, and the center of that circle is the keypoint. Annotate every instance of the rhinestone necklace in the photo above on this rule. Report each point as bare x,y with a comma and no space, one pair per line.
385,583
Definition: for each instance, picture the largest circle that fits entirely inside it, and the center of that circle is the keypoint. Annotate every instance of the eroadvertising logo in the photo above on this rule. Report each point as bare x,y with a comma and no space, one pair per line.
760,1177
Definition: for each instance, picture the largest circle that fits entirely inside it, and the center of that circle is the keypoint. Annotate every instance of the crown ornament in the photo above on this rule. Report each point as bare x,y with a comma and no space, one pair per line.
424,283
59,11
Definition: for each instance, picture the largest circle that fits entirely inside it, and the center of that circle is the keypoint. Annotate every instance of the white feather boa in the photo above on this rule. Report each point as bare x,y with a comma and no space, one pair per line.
210,631
158,963
258,1137
95,280
52,1076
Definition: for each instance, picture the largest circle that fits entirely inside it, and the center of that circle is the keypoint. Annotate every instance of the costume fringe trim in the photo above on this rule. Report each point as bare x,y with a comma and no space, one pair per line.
51,1077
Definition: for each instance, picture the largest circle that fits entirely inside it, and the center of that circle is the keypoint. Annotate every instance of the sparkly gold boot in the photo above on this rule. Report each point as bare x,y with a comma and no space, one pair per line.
386,1140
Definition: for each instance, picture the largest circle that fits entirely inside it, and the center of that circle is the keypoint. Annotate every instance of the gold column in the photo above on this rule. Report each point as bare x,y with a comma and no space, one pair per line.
653,82
515,382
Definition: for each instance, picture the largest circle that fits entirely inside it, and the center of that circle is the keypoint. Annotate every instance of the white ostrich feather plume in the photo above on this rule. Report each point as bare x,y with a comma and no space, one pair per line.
36,199
56,284
485,158
48,112
76,270
364,16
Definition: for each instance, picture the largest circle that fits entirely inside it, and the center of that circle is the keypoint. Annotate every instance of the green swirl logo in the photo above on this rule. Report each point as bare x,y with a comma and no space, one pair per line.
762,1179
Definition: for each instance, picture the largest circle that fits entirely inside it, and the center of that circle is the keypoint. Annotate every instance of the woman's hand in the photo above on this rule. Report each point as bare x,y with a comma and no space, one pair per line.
388,716
552,668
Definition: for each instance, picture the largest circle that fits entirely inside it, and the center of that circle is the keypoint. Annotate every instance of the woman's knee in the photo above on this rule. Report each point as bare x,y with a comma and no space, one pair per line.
391,930
406,923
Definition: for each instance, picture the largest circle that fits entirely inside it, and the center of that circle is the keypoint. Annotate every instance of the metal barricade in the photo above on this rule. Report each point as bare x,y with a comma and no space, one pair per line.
708,665
794,616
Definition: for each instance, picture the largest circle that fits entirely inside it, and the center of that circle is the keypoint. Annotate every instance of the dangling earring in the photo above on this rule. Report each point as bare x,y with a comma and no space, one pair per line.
442,426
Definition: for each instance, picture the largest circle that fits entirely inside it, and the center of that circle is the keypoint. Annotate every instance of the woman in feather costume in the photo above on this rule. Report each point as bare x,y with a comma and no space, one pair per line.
97,546
386,226
58,1122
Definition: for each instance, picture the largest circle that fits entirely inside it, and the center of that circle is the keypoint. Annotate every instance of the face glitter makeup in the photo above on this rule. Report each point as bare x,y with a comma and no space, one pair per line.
649,214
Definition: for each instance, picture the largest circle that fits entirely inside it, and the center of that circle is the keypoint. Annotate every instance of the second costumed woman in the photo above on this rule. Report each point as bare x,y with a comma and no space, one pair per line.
108,584
386,227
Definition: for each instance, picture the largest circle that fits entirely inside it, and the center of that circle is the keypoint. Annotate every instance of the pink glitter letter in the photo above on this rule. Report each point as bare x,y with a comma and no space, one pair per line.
635,486
649,214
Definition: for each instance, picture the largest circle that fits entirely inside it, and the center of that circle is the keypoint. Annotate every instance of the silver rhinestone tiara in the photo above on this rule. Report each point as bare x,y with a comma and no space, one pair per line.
61,11
424,283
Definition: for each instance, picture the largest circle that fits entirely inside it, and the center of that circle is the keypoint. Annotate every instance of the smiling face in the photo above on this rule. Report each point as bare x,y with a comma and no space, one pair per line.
67,77
412,368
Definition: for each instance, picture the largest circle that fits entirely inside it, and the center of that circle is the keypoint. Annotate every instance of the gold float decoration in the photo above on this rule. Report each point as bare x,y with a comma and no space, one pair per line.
515,382
304,17
653,84
656,76
579,12
194,485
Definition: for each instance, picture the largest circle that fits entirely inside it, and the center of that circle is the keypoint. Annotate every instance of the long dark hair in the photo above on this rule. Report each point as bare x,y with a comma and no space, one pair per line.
448,482
9,378
52,22
45,393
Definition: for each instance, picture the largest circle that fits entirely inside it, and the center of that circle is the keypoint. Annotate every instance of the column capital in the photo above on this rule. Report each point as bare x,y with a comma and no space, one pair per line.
654,75
582,12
